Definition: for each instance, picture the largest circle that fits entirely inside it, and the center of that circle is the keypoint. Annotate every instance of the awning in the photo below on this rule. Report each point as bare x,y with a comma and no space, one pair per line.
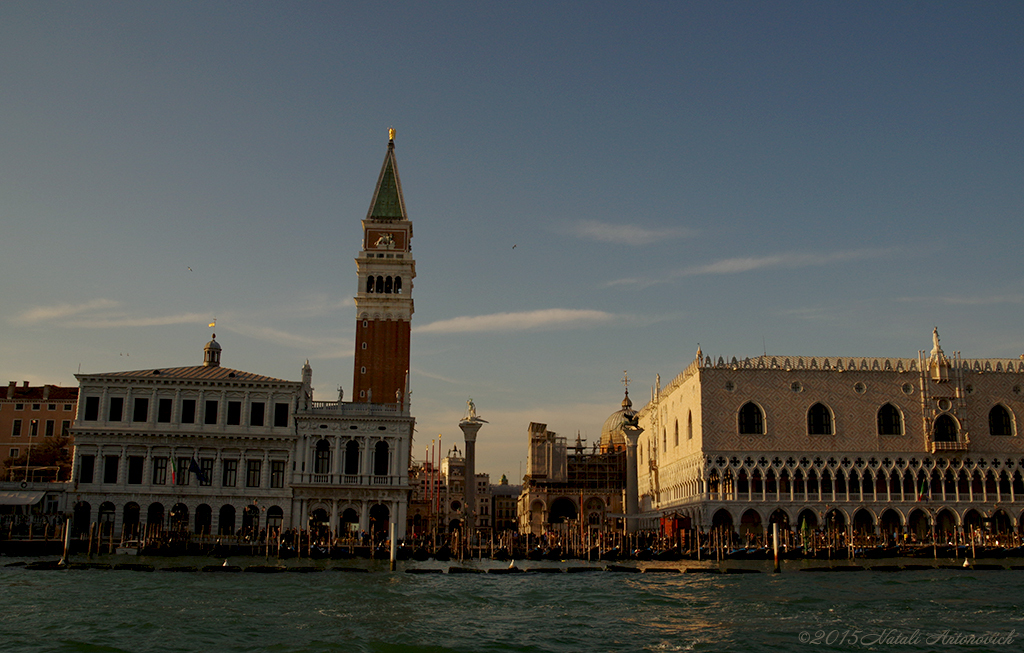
21,498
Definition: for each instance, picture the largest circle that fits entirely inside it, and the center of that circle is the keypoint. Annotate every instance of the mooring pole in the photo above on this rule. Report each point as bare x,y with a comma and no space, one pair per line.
775,545
392,546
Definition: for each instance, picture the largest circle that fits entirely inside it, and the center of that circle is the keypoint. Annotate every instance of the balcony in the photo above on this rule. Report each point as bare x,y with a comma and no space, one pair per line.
344,408
347,479
949,446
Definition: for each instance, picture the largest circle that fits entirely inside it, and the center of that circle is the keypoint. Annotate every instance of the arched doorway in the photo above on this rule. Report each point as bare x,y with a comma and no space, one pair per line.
83,517
179,517
972,521
1001,525
750,526
722,527
863,523
350,519
891,525
919,525
562,510
945,526
380,518
204,519
251,522
835,521
130,519
107,517
275,517
155,516
781,518
226,520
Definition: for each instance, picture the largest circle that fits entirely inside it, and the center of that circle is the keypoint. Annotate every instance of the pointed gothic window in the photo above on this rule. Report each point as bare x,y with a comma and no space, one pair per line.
751,419
890,421
999,422
819,420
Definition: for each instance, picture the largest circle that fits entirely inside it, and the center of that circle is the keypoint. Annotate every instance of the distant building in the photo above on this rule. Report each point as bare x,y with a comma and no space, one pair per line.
214,450
504,498
28,416
882,447
453,493
206,449
562,485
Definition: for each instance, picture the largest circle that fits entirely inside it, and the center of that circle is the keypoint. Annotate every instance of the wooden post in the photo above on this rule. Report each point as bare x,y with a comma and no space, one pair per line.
392,546
67,541
775,545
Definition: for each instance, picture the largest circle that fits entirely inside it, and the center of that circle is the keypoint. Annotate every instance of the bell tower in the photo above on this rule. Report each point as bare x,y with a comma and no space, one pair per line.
384,304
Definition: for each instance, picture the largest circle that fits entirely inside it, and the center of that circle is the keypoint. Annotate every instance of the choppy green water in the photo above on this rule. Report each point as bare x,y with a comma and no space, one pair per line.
101,611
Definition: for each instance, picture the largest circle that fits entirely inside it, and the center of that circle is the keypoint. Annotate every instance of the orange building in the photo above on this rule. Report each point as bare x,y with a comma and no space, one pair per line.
29,415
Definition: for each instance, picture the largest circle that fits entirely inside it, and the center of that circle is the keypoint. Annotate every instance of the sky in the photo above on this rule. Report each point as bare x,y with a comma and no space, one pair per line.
595,188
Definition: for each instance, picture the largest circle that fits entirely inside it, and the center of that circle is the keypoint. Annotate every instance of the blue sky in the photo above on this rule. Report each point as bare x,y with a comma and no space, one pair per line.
820,179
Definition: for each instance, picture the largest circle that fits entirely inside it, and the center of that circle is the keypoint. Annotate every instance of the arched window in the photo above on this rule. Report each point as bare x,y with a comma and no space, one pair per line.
387,285
689,425
819,420
999,422
677,433
369,284
322,460
398,284
890,421
352,458
380,459
945,429
751,419
380,284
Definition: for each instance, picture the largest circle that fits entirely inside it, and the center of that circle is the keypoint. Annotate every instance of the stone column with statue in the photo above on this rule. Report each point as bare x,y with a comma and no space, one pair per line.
470,425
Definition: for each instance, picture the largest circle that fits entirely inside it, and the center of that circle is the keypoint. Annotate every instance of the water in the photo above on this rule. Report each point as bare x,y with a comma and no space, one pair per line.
381,611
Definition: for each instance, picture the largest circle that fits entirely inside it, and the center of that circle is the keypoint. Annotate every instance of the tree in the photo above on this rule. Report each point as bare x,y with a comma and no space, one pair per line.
51,452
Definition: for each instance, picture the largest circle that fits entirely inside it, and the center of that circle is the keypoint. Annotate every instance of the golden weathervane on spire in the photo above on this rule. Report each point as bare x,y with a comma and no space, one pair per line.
391,134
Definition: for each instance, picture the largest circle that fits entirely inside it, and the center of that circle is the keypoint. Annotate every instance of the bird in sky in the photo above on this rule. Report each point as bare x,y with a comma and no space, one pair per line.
189,269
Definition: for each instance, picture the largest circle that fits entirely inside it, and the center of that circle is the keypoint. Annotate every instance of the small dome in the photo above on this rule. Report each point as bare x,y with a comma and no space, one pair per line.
211,353
612,438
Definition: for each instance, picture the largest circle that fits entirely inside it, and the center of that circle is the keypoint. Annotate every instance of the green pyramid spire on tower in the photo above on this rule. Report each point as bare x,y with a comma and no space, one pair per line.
388,203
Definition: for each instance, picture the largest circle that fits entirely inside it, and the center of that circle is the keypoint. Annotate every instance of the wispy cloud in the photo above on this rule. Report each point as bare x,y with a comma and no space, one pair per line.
522,321
972,300
324,347
626,234
737,265
38,314
784,261
122,320
97,314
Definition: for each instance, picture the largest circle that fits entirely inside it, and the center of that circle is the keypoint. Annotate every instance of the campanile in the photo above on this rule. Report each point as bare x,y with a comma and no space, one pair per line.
384,304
